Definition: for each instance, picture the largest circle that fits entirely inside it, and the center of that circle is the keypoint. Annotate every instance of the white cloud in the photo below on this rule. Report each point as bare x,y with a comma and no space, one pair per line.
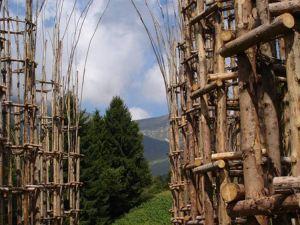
120,51
138,113
153,88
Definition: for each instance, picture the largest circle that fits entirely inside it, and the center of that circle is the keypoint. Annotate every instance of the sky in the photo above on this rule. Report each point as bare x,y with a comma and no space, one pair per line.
120,62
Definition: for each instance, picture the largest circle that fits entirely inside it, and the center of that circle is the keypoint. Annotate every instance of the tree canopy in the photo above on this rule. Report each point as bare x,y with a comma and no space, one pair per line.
114,170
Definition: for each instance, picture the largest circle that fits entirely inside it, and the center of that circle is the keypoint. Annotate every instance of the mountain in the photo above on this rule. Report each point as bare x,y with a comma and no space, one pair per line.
156,146
156,127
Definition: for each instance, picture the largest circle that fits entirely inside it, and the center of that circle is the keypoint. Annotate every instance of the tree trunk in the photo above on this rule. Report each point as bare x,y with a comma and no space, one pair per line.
250,134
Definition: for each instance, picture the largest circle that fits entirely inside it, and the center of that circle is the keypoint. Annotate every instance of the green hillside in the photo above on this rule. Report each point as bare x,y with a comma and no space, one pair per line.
155,142
156,153
153,212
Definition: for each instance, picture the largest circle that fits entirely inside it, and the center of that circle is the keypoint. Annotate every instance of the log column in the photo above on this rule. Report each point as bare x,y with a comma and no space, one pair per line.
250,136
204,136
190,142
221,123
268,97
292,43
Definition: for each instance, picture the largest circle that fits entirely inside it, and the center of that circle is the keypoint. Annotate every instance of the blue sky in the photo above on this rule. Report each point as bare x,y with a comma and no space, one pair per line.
127,68
121,61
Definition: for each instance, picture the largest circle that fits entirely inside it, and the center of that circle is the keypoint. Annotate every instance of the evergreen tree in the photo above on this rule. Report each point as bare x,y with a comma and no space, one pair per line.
114,170
94,197
124,152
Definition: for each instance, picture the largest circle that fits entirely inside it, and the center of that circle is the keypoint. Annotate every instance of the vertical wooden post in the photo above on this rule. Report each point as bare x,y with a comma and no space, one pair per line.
204,123
268,98
221,123
250,135
292,43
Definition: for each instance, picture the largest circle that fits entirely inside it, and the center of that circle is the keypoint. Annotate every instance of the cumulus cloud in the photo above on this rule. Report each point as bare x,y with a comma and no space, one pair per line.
118,58
153,86
138,113
119,50
118,53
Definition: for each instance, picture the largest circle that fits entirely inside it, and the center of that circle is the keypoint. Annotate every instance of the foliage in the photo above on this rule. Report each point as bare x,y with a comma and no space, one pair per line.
94,194
152,212
114,170
131,172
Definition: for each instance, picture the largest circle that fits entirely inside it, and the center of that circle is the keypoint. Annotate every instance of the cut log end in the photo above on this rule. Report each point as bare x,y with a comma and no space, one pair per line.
221,164
288,20
227,35
231,192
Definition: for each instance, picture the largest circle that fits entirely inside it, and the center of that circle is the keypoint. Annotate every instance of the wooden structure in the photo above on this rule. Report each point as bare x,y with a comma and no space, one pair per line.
39,144
235,113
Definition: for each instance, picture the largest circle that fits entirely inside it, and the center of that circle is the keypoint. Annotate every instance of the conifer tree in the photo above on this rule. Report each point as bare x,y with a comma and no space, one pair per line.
114,170
94,197
124,152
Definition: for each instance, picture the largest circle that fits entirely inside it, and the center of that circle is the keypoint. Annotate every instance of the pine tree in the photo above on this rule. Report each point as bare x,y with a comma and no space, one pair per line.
114,170
94,197
124,152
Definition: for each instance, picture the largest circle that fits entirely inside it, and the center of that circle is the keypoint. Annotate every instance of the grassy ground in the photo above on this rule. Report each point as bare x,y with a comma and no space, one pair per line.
153,212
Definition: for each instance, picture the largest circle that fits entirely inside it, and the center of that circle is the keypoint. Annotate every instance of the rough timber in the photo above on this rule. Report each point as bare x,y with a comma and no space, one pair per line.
39,147
235,121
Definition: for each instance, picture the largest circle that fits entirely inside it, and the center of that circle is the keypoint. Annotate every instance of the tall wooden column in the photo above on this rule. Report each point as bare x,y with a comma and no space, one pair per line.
221,123
204,129
250,134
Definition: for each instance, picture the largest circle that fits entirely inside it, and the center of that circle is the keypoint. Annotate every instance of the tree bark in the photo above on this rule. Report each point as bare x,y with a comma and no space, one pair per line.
286,183
250,134
261,34
268,206
292,43
205,137
290,6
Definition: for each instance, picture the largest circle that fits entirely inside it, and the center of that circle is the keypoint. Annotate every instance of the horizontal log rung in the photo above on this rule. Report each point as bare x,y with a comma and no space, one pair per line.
286,183
220,164
290,6
206,89
205,13
265,206
261,34
222,76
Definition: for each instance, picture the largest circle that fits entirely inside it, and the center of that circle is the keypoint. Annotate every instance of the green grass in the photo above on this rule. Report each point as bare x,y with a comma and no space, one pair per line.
153,212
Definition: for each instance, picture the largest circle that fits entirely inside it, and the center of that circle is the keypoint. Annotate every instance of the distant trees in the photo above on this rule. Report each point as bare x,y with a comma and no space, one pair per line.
114,170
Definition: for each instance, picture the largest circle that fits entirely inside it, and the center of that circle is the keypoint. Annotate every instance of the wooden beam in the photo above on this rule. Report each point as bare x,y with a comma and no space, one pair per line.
286,183
205,13
222,76
265,206
290,6
261,34
226,156
206,89
220,164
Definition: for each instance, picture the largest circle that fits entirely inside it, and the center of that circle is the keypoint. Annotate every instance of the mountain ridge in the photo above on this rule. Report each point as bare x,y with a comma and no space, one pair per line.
155,141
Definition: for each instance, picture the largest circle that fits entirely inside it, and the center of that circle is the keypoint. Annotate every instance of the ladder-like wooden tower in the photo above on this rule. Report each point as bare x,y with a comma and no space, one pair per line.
39,144
235,113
